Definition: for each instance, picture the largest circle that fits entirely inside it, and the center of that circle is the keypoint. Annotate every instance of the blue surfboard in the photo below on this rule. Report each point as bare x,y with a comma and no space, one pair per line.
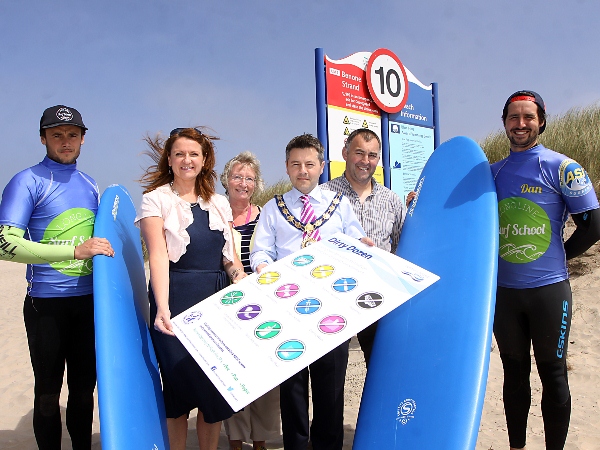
426,380
132,412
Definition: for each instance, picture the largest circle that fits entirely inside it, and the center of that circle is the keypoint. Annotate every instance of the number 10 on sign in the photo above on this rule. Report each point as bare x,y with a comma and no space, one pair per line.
387,80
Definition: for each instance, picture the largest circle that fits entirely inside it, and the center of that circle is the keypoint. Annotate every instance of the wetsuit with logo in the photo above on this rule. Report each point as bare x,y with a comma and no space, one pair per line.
537,189
46,211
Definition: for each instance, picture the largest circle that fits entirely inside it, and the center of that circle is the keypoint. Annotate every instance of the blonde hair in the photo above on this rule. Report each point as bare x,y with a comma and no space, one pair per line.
246,159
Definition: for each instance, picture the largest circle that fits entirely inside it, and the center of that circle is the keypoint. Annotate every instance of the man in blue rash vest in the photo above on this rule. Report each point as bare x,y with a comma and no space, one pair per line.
537,190
46,221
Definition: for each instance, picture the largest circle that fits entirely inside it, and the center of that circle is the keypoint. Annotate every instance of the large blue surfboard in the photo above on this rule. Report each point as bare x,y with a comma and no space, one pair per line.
132,413
426,380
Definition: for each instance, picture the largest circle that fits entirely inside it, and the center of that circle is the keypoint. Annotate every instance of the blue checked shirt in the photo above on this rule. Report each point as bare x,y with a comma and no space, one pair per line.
381,215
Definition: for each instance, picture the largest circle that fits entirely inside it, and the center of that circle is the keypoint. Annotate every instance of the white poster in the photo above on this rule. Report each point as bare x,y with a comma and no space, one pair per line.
251,336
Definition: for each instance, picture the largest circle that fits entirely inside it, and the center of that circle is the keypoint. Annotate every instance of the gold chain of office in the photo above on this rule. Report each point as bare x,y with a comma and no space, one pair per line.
308,227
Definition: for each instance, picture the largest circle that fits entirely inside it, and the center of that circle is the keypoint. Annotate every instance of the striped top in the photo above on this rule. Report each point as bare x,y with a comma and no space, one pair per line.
246,230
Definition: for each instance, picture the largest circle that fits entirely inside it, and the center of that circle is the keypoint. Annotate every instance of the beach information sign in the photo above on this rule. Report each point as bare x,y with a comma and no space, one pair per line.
411,137
376,91
251,336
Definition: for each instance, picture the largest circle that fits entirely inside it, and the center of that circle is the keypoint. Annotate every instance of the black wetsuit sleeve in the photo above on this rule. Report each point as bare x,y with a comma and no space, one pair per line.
585,235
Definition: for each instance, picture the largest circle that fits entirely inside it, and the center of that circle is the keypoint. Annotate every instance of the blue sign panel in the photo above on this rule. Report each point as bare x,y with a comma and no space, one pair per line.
418,109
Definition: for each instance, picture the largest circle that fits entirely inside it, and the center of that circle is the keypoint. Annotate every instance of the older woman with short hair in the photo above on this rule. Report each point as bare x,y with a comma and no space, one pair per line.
242,180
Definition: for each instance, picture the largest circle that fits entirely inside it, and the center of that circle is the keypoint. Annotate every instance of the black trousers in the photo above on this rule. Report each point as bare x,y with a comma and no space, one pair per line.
542,317
61,330
366,338
327,378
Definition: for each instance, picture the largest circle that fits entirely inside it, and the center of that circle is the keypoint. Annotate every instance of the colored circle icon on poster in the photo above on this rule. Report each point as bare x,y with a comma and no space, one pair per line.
322,271
249,312
287,290
308,306
290,350
231,298
387,80
268,277
344,284
303,260
369,300
268,330
332,324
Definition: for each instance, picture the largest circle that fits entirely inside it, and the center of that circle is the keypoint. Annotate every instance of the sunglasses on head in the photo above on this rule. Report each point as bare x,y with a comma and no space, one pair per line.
179,130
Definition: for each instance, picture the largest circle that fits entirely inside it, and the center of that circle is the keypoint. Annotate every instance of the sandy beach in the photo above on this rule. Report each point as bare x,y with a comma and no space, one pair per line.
16,378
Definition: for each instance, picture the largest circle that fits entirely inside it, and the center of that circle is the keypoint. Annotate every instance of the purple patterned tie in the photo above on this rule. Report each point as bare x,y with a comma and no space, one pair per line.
308,216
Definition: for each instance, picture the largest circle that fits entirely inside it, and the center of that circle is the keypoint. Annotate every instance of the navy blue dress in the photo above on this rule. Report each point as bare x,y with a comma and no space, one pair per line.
198,274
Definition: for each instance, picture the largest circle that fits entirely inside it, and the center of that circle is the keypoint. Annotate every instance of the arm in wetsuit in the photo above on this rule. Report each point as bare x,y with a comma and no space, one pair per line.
14,247
585,235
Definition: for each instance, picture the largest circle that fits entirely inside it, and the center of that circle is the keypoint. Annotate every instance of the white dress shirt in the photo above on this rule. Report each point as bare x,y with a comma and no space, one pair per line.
275,237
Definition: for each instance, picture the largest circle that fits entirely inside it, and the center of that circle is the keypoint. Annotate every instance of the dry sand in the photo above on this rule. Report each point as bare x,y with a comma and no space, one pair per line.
16,379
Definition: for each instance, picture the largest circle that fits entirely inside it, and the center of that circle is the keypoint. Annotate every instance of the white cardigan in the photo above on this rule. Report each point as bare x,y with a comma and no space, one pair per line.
177,216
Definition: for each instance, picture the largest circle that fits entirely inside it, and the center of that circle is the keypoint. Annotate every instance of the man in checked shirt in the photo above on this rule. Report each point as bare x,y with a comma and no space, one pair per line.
379,210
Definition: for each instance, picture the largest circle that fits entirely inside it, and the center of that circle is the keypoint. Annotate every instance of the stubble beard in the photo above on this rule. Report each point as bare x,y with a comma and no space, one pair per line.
517,144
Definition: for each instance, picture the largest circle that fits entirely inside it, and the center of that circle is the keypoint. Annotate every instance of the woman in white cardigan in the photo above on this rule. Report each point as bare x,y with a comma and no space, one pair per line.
187,230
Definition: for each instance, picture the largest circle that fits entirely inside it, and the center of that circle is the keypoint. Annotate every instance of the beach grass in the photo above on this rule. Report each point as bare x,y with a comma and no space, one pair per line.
280,187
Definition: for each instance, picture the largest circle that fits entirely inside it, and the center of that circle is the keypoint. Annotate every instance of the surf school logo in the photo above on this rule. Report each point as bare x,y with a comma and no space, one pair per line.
574,181
406,411
64,114
525,231
72,227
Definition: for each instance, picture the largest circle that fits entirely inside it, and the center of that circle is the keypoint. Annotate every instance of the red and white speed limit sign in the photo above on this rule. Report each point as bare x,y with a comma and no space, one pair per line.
387,80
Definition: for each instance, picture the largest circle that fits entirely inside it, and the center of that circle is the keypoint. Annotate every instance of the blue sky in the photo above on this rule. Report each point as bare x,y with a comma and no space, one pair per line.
246,69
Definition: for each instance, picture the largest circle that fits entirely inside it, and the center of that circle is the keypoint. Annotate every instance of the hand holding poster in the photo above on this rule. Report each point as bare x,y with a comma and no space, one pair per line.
298,309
